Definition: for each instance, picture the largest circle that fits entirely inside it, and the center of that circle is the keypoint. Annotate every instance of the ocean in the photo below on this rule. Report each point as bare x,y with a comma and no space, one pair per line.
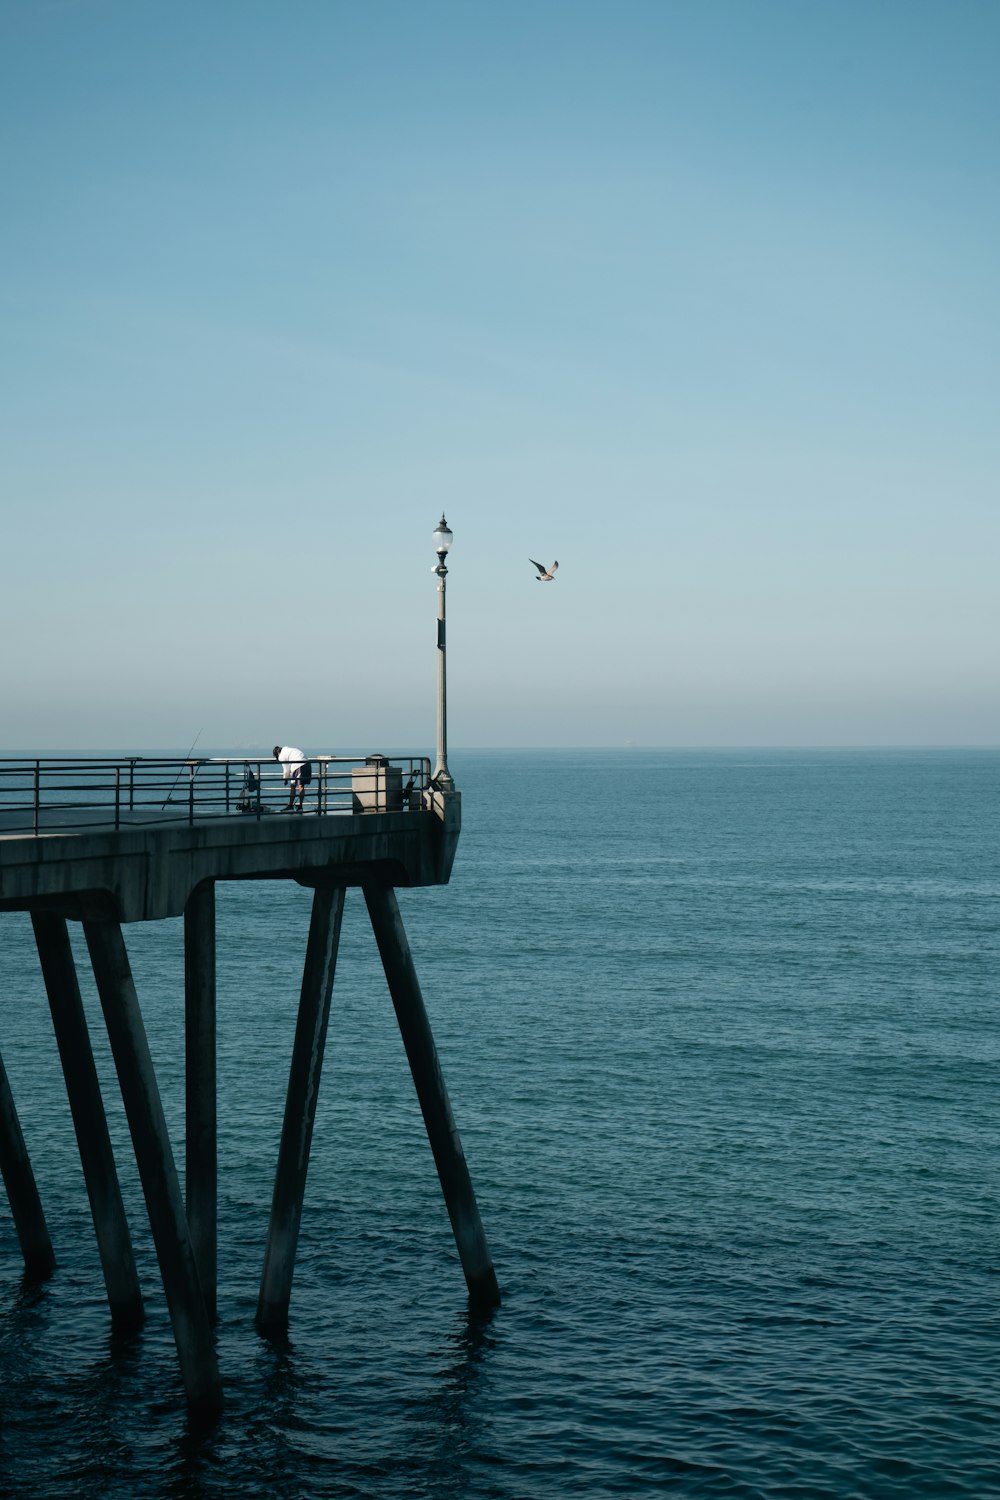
720,1031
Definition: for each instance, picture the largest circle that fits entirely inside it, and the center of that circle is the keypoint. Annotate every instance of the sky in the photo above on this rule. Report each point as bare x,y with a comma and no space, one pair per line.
698,297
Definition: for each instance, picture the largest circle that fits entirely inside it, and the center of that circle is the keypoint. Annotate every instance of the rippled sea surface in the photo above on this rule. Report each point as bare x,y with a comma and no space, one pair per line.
721,1036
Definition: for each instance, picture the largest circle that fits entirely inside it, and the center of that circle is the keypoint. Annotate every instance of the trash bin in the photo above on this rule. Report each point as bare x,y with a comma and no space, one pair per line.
376,786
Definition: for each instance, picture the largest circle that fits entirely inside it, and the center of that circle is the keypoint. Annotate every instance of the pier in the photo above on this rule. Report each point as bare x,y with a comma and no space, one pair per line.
106,842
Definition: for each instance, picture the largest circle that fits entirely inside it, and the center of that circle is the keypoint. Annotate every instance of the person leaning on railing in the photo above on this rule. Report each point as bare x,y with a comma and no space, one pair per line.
296,770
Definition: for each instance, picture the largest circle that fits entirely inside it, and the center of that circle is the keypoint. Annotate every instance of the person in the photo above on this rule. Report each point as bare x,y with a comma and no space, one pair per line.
296,770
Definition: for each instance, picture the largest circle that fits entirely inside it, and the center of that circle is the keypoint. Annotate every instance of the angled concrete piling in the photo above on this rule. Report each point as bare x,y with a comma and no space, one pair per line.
89,1120
154,1158
442,1132
22,1191
300,1109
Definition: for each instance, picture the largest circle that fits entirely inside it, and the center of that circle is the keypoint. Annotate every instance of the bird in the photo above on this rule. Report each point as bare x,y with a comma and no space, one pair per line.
545,575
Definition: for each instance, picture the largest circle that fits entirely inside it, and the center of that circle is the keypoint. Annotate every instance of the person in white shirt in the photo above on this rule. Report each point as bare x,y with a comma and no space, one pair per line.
296,770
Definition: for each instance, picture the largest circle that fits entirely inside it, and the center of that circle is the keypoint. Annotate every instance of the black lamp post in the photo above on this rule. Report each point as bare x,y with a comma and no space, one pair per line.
442,776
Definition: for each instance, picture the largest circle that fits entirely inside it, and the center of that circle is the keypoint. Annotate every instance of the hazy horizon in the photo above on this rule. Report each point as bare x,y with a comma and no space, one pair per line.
254,752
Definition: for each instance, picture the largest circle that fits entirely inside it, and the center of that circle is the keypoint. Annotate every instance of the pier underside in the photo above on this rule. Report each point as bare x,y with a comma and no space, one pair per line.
145,872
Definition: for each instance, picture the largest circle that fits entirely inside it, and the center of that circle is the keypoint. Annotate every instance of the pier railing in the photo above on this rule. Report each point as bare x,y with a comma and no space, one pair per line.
45,796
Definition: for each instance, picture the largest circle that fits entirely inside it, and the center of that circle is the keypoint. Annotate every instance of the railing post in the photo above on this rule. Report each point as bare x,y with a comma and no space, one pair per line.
190,794
37,794
118,794
131,786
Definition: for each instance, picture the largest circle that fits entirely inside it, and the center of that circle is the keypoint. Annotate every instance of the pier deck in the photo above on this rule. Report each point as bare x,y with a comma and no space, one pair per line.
132,839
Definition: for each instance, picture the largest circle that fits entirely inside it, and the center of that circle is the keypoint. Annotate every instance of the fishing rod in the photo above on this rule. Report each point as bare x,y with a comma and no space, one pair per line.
177,778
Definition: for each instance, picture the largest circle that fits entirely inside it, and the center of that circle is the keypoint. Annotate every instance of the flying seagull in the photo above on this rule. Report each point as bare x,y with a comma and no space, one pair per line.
544,575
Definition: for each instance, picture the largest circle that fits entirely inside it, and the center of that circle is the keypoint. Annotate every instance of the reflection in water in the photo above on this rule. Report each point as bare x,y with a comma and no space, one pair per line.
455,1421
61,1359
257,1416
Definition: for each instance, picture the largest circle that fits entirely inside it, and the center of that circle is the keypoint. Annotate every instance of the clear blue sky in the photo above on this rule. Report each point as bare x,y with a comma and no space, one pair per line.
699,297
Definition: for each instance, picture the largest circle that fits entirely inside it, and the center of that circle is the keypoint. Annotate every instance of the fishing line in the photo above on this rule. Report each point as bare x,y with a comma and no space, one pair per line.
178,776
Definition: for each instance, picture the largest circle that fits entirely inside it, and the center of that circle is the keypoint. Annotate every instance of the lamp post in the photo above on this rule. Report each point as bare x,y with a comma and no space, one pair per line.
442,776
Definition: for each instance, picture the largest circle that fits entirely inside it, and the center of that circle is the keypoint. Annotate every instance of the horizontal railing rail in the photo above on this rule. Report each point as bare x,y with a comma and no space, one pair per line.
41,796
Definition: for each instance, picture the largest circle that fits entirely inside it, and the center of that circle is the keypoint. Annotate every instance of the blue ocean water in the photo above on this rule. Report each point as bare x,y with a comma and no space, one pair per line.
721,1036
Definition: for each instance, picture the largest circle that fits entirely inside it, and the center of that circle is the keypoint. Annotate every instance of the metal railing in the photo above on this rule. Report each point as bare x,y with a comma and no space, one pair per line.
87,794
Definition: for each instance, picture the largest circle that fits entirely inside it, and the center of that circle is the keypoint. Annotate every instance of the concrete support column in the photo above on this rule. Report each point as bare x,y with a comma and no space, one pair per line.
160,1185
89,1120
201,1152
22,1192
300,1109
442,1132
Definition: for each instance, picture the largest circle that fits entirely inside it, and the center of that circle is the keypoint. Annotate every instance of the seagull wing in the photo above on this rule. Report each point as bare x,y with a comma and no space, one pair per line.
536,565
553,567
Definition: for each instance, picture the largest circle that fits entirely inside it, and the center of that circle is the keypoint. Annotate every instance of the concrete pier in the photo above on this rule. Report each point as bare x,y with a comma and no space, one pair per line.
148,855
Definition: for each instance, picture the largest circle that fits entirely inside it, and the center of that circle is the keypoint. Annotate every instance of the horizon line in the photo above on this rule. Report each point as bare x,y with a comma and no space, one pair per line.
253,753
